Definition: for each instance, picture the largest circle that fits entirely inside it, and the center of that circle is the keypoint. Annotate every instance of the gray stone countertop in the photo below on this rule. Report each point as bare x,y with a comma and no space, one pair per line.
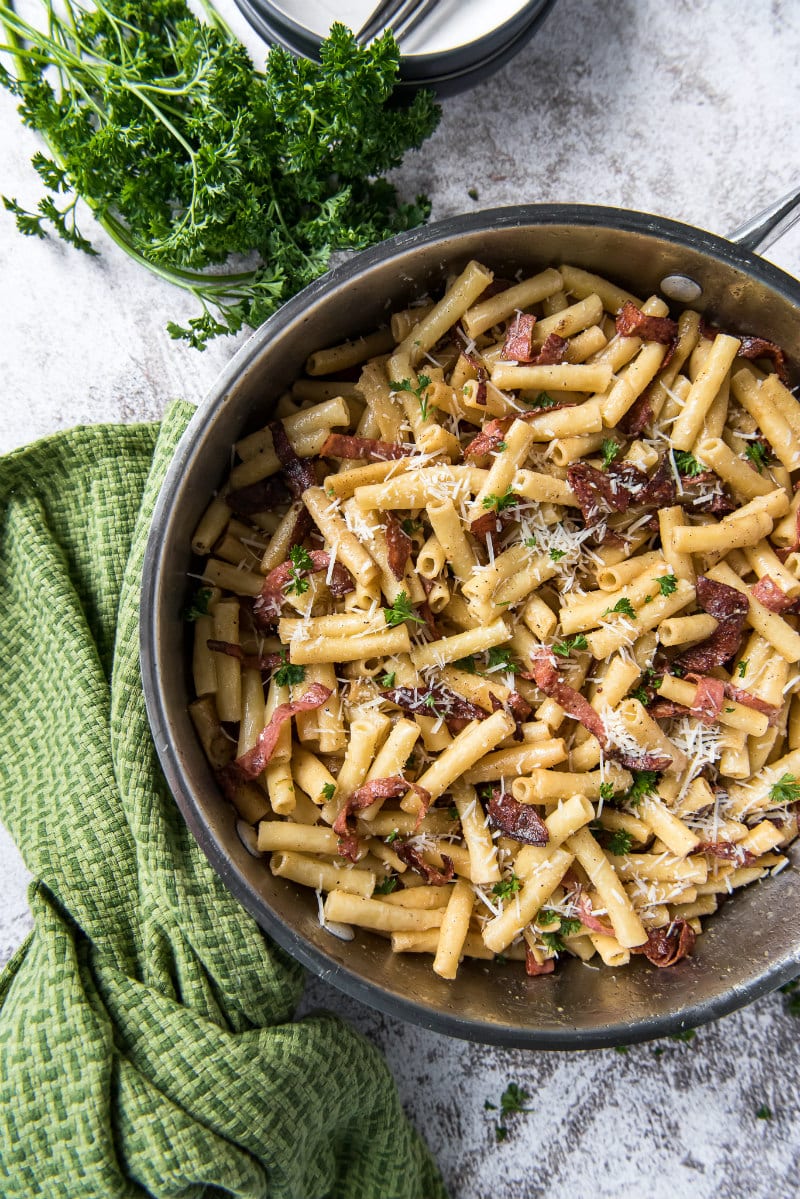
680,108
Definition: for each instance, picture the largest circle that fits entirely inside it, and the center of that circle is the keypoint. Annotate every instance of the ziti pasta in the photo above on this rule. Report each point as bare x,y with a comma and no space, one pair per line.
496,641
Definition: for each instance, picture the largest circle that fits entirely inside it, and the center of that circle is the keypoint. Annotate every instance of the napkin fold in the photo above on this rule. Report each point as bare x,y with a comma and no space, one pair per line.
147,1045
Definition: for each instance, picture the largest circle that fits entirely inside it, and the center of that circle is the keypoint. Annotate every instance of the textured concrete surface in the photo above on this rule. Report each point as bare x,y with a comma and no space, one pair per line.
683,108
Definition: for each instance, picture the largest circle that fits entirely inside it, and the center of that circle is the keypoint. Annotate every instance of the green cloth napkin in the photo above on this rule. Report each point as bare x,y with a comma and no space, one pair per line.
147,1045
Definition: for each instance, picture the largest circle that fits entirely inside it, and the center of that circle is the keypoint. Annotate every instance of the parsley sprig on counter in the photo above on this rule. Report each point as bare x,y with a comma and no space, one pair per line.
189,157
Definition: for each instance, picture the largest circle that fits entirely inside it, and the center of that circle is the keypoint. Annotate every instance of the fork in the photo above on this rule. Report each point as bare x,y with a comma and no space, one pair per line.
401,16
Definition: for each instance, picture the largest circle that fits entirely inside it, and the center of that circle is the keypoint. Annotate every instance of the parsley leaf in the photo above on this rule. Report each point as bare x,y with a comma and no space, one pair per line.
541,400
609,449
500,657
556,555
569,927
553,942
569,645
401,610
467,664
644,782
786,790
387,680
392,836
623,607
741,668
301,561
547,916
189,157
606,790
472,192
328,791
410,526
386,885
763,1112
513,1100
499,503
640,693
198,606
686,1035
667,584
289,673
507,888
530,542
757,453
619,843
687,464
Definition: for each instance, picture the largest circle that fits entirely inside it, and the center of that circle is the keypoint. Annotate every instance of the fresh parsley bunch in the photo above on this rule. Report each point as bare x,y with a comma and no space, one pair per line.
190,158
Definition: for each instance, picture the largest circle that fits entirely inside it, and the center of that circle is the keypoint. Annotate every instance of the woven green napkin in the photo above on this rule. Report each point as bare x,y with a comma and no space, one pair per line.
146,1038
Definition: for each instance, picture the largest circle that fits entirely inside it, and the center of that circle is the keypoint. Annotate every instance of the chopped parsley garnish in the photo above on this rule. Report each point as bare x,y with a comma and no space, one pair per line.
507,888
401,610
500,447
676,670
542,400
686,1035
786,790
198,606
452,812
387,680
667,584
500,657
386,885
757,453
644,782
763,1112
569,644
623,607
530,543
500,1133
472,192
410,526
553,942
556,555
423,382
621,1048
513,1100
499,503
393,835
328,791
792,1002
741,668
609,449
467,664
301,560
640,693
288,673
606,790
569,927
547,916
687,464
619,843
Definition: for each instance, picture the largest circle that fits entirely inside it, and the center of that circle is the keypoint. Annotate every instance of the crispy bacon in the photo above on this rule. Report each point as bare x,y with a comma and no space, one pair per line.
708,697
660,490
748,700
729,851
489,438
298,472
342,445
520,821
533,968
302,527
250,765
578,707
267,606
632,322
492,522
667,709
638,417
518,345
705,492
666,946
553,351
601,492
759,347
771,595
362,797
583,906
729,608
398,544
413,858
257,497
436,700
248,661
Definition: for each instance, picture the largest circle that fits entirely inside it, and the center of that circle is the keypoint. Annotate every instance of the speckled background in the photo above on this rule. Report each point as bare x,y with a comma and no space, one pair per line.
683,108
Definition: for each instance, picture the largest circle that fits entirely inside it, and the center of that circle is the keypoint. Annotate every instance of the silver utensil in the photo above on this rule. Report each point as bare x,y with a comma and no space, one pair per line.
401,16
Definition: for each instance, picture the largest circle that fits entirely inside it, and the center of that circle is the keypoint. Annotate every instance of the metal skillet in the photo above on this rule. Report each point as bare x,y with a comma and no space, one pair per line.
753,944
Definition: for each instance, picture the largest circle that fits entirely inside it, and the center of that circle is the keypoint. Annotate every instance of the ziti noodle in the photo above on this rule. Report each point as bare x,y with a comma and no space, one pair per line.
496,641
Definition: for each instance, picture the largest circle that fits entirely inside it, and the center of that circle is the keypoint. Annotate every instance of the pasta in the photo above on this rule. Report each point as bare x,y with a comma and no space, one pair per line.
496,647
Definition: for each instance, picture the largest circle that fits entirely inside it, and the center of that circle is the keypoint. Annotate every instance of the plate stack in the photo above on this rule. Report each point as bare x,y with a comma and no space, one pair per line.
457,44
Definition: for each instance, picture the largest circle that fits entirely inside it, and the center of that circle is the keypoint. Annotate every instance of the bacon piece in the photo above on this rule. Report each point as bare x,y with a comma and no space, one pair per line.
342,445
492,522
553,351
298,472
413,858
520,821
257,497
601,492
638,417
302,527
768,593
583,906
518,345
362,797
660,491
490,437
748,700
398,544
708,697
666,946
759,347
436,700
729,851
250,765
632,322
267,606
708,488
575,705
249,661
535,969
667,709
729,608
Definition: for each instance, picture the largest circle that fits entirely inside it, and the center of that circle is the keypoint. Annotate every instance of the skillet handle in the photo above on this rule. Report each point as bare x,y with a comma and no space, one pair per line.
759,233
